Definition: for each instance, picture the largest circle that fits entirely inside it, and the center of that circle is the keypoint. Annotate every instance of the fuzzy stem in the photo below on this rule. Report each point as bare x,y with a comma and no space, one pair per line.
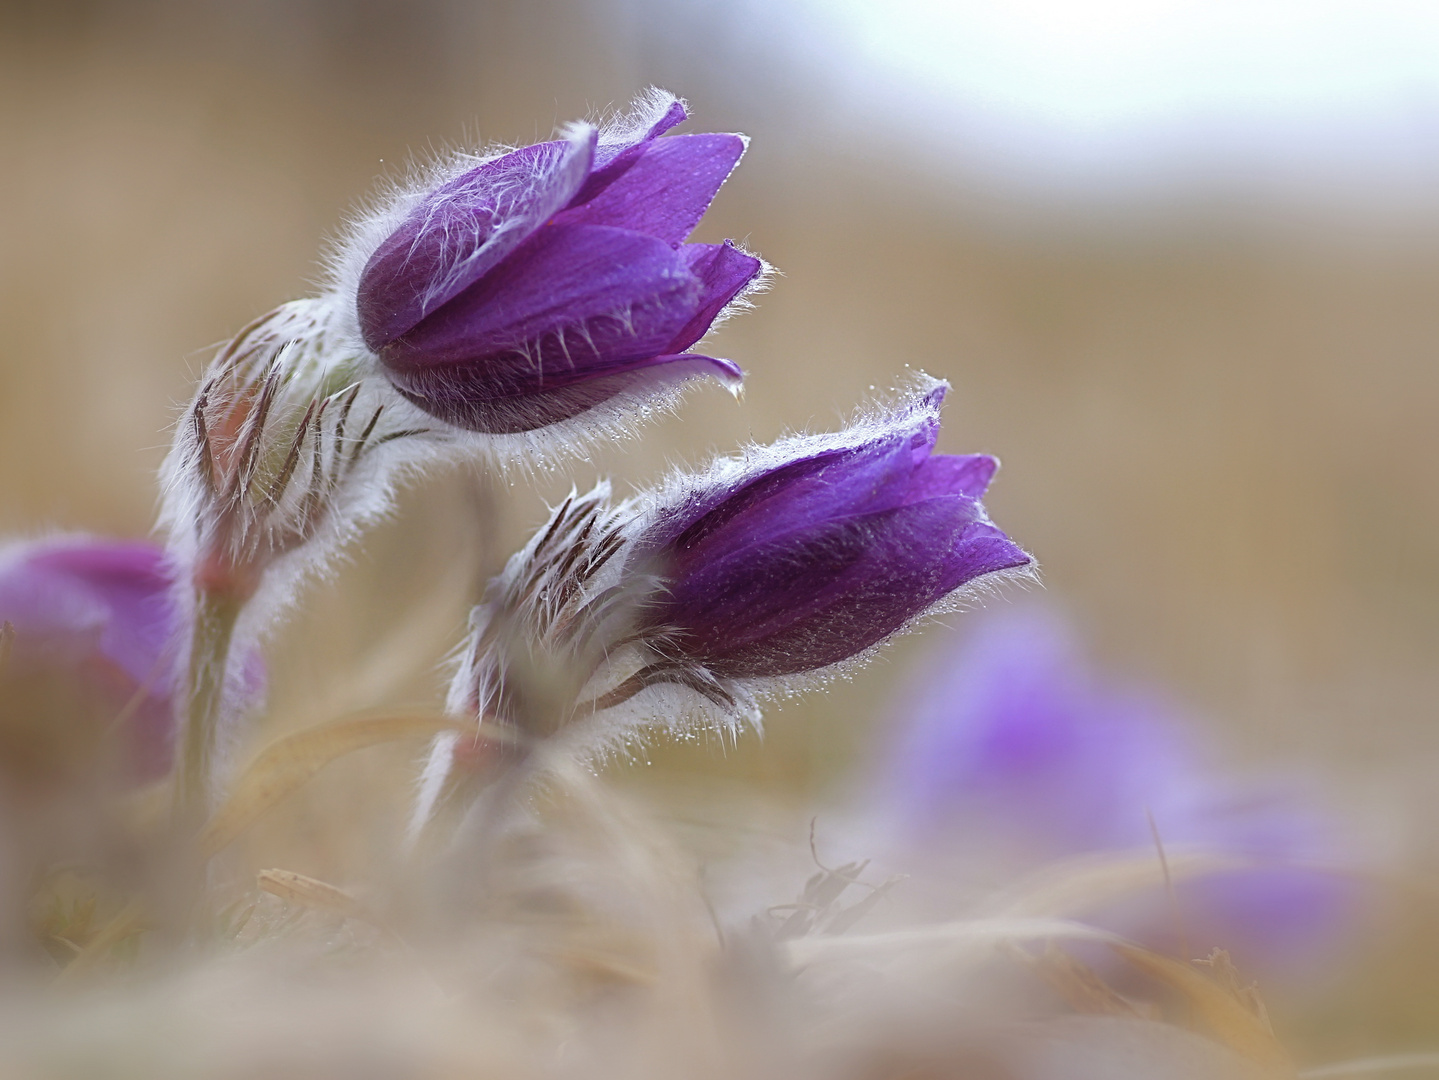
214,629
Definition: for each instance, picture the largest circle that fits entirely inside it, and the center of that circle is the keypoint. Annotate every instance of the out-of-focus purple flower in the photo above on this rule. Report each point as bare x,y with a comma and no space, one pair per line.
1013,755
95,618
535,286
97,637
799,559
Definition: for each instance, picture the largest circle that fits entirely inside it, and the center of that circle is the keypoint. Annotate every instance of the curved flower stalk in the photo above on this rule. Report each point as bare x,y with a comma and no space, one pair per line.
550,287
287,450
764,574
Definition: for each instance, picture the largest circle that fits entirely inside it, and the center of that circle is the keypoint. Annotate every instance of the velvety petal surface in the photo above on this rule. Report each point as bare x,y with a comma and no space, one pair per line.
613,156
817,596
556,265
833,484
665,191
509,397
628,292
815,560
944,474
981,549
463,229
724,271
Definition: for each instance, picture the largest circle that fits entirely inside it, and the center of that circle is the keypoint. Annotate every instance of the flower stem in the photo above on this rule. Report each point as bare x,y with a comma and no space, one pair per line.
214,629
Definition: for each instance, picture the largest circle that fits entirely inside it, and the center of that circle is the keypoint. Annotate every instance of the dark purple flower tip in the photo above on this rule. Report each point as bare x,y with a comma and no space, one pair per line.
509,287
812,560
665,191
621,146
96,618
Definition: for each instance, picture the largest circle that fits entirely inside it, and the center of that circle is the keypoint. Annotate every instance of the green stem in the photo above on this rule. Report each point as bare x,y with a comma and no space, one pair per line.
214,629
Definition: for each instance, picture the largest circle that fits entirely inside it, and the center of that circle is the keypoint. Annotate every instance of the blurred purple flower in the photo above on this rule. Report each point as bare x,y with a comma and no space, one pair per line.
820,549
1013,755
538,285
97,630
98,616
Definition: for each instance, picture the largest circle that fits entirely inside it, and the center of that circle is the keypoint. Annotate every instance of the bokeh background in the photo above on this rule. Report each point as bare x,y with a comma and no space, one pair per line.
1180,261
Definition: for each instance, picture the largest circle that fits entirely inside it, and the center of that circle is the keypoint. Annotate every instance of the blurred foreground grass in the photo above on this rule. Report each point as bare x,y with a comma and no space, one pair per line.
1217,422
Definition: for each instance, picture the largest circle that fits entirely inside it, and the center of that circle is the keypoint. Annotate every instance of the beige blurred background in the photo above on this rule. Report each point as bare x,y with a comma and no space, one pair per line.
1215,398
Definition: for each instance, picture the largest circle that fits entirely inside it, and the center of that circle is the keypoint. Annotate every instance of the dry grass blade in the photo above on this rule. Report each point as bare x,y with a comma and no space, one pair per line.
311,892
1375,1066
608,967
943,939
1067,888
288,763
130,920
1115,1048
1077,983
1230,1019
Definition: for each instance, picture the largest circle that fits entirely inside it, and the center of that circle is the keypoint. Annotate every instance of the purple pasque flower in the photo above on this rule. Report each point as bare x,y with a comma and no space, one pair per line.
749,578
1011,754
533,287
808,553
94,633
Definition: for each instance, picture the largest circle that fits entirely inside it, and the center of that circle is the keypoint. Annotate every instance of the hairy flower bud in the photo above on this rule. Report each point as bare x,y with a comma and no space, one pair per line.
524,290
281,451
760,575
286,451
792,560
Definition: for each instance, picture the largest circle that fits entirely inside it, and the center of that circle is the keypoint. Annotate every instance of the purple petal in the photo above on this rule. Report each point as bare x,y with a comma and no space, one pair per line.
614,156
953,474
618,295
981,549
673,116
99,616
1011,730
696,527
926,429
874,476
665,191
820,594
835,484
724,271
505,400
463,229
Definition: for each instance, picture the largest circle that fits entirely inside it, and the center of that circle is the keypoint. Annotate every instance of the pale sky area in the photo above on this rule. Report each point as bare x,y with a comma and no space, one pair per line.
1316,91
